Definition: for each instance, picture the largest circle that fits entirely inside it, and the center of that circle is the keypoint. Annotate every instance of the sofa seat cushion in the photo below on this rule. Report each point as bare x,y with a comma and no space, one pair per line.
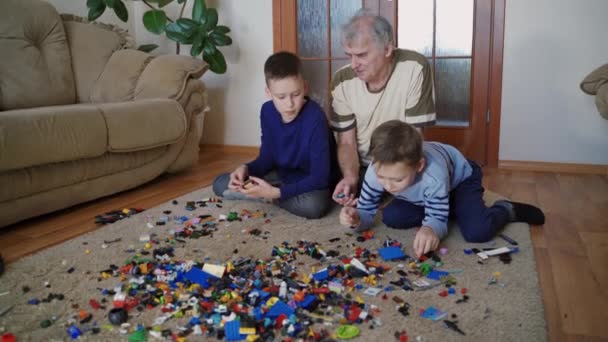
37,179
39,136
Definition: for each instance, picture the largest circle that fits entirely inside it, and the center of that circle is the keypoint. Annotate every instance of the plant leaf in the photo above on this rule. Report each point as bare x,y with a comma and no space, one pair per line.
155,21
96,9
189,26
147,47
221,29
216,61
211,19
121,10
181,1
197,47
199,11
110,3
220,39
178,34
209,48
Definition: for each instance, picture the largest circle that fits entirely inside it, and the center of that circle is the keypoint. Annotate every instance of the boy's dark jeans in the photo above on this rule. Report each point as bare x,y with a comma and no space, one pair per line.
477,222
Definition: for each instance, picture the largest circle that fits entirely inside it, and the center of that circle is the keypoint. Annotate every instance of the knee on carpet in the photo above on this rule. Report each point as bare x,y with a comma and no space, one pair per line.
393,221
220,184
477,234
311,208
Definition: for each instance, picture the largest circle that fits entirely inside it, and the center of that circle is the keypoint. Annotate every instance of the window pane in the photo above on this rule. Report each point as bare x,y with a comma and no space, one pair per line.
453,91
415,25
341,11
454,28
312,20
315,73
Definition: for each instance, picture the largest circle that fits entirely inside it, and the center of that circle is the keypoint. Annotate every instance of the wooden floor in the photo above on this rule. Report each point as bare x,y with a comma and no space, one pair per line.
571,249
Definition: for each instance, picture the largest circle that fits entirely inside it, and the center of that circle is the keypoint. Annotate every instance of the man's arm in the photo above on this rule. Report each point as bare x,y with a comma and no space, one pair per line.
348,157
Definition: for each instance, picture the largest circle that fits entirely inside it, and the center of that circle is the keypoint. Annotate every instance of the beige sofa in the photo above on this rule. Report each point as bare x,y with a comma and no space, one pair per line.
83,115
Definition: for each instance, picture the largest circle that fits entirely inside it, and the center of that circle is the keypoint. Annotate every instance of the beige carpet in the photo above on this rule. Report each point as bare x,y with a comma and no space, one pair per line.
509,311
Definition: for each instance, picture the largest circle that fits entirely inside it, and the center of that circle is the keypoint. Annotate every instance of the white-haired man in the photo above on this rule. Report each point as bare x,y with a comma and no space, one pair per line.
382,83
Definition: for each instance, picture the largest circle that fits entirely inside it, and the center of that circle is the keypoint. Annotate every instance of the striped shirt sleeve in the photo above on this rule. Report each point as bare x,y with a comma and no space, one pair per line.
369,199
342,115
420,105
437,208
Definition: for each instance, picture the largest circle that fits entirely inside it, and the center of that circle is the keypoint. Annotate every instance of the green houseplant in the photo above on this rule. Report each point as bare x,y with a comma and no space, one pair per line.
201,30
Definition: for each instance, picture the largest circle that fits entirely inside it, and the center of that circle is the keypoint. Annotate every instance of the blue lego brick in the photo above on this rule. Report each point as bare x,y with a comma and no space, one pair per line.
196,275
433,313
321,275
391,253
309,299
232,331
436,275
279,308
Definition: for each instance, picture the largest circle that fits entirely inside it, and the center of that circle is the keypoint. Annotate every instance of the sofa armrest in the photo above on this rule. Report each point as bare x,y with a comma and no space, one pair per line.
135,75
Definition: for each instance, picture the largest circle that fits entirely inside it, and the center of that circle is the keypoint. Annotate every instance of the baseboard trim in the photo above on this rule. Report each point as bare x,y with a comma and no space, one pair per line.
553,167
232,148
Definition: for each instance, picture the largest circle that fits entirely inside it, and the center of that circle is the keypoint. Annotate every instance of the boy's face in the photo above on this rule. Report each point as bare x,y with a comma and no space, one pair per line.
287,94
396,177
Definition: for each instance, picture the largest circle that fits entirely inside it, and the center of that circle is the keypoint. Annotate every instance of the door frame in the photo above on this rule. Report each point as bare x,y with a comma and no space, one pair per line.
285,28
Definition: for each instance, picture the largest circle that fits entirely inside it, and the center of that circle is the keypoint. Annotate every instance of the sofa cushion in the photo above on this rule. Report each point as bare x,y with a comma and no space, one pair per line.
91,45
45,135
26,182
37,136
35,67
137,125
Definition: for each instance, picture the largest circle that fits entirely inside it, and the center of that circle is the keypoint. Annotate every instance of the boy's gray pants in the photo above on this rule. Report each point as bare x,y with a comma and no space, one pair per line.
311,205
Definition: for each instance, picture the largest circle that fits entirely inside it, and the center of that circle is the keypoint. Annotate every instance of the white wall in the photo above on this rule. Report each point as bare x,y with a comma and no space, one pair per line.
550,46
235,97
79,7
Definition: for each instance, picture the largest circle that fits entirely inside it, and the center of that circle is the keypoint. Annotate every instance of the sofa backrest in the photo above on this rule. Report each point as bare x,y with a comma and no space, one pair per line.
35,62
91,46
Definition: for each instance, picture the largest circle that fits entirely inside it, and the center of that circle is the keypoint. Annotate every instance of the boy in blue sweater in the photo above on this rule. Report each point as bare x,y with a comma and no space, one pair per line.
296,167
429,181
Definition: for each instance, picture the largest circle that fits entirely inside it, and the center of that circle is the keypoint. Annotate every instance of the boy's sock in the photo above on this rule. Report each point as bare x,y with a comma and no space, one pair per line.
523,212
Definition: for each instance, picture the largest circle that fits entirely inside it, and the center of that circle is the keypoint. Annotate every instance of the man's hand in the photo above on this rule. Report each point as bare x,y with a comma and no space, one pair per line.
425,241
349,216
261,189
345,192
238,177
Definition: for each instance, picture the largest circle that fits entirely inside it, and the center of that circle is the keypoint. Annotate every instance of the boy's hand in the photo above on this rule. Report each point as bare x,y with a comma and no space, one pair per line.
425,241
345,192
261,189
349,216
238,177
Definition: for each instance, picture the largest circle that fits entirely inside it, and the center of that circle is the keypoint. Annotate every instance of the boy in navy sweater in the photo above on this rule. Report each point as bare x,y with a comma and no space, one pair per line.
429,181
296,167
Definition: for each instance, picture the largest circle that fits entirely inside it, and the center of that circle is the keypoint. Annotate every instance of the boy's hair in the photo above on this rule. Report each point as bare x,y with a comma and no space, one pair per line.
396,141
282,65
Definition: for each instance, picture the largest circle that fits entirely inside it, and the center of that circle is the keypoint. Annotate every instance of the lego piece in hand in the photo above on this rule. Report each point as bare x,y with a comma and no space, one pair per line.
248,184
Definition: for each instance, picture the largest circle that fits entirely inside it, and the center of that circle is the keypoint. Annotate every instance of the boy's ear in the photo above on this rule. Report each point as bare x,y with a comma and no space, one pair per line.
305,87
421,165
267,91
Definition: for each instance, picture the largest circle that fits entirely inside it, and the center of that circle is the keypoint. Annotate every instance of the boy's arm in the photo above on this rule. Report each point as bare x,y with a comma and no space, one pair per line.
369,199
437,209
264,163
319,154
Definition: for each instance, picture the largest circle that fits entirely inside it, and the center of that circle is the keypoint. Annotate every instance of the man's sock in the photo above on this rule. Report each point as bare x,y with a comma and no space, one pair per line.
523,212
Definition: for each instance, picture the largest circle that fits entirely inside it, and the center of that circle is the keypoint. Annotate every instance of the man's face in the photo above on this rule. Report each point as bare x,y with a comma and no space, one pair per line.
367,57
287,94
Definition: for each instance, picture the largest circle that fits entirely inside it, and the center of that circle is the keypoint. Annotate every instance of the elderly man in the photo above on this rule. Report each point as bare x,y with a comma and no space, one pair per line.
382,83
